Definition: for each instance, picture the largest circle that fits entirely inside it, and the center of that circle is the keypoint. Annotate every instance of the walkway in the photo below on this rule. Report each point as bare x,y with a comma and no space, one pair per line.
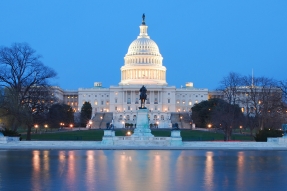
96,145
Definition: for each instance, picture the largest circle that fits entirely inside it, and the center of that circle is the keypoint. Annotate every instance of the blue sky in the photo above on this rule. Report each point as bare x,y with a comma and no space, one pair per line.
200,41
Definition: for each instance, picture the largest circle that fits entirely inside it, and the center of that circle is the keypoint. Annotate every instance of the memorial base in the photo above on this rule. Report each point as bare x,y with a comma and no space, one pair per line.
142,125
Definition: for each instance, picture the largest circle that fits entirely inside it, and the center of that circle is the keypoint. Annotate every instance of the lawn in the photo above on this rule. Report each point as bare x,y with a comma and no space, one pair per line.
96,135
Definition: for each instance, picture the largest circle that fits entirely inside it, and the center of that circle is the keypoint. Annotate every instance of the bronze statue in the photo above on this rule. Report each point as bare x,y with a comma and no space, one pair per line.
143,22
143,96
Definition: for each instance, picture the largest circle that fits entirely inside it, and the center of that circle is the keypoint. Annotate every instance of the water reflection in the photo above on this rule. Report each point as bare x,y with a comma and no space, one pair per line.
142,170
209,171
240,169
36,179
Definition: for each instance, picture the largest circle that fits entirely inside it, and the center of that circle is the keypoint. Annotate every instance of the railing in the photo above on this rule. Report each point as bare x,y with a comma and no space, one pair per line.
143,138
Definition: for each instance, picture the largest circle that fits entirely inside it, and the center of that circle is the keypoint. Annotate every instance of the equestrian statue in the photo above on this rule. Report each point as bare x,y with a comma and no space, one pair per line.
143,97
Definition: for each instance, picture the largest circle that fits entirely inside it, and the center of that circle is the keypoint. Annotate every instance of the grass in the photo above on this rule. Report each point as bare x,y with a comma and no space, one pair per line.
96,135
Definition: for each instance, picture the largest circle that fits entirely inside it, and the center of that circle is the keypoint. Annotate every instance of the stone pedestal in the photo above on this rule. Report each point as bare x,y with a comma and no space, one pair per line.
4,139
176,139
142,125
108,138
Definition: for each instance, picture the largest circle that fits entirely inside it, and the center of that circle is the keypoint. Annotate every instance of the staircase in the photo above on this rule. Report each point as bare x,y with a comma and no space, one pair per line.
101,119
182,119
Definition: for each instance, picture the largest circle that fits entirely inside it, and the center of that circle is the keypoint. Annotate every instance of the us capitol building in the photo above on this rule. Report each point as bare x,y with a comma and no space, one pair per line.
143,65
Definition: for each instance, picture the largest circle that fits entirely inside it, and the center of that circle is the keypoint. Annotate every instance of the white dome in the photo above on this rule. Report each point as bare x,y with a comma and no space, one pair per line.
143,62
143,46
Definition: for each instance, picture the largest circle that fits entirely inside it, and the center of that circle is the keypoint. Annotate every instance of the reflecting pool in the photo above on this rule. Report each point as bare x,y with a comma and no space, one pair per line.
138,170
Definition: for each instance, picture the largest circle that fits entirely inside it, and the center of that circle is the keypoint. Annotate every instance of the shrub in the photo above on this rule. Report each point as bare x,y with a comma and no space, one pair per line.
10,133
262,135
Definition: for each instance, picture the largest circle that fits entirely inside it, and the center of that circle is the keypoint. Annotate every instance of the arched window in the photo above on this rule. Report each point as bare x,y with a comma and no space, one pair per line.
162,117
121,117
155,117
128,117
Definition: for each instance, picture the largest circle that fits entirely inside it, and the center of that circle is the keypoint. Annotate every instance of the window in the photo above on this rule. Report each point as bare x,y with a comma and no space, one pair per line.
107,95
129,101
116,108
168,93
155,101
168,100
107,102
162,117
189,103
129,108
177,101
102,102
96,102
116,100
183,102
95,95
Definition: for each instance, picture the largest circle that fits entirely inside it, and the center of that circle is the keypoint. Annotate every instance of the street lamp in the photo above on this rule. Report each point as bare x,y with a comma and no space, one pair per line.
209,125
36,127
129,133
123,124
90,123
240,129
46,127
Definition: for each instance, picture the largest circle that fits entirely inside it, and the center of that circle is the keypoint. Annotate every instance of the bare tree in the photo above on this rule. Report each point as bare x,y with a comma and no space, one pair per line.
262,102
25,79
229,86
227,117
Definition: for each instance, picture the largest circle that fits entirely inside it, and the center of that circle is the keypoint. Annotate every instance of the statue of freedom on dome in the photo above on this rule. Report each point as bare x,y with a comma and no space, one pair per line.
143,97
143,22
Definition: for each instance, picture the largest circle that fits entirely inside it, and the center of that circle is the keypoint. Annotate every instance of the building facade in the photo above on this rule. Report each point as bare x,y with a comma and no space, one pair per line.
143,65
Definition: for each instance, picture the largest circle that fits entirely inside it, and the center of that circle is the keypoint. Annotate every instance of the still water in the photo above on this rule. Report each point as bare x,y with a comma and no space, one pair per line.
138,170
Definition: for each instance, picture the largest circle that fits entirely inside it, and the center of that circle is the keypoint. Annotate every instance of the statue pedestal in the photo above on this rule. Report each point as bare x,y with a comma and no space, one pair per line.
142,125
108,138
176,139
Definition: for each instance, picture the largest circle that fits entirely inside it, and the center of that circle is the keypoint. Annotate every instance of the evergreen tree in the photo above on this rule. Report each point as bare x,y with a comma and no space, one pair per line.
86,113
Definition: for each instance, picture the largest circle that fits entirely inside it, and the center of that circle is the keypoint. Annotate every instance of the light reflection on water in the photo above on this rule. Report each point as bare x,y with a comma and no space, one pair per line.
142,170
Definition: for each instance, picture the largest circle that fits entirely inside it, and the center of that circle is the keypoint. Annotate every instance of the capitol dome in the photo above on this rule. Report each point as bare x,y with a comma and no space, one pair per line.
143,46
143,62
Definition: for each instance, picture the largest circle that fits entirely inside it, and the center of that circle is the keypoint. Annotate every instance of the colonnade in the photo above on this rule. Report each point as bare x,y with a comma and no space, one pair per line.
143,74
143,60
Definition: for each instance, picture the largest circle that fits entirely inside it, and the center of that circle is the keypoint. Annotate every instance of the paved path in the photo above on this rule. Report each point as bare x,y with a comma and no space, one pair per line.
96,145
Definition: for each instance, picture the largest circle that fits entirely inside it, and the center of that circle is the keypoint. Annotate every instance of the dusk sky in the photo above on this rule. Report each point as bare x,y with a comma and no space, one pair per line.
200,41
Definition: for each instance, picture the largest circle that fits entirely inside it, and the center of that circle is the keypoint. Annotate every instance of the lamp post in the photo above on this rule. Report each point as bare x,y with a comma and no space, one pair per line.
46,127
90,124
36,127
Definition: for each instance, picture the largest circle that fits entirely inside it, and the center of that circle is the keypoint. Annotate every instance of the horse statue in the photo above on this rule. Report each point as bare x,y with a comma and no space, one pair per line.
143,96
